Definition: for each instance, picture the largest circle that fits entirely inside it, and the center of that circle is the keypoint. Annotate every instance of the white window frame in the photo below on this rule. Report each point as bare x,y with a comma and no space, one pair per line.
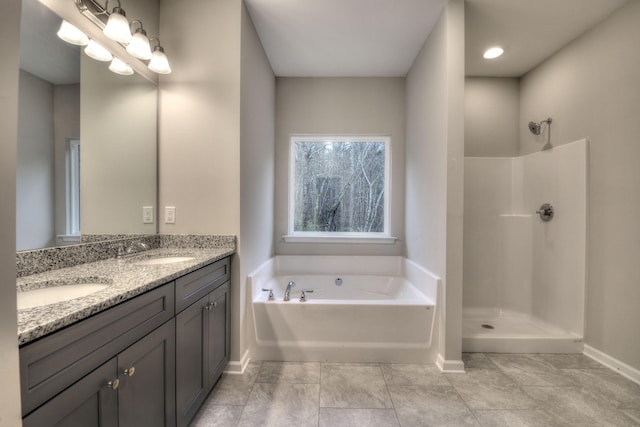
339,237
73,187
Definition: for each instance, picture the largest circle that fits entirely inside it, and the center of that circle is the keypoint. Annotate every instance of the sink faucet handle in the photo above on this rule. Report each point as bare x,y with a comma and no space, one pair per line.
271,297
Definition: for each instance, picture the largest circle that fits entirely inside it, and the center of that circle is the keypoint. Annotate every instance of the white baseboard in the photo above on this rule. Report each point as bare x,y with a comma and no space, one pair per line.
237,367
449,366
612,363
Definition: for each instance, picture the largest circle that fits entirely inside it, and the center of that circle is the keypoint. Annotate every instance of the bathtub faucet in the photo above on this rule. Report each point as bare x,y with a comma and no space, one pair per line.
288,290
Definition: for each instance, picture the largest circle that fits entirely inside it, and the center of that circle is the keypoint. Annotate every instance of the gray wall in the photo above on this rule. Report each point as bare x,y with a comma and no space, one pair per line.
591,89
118,150
491,117
257,162
351,105
434,167
216,136
9,66
35,167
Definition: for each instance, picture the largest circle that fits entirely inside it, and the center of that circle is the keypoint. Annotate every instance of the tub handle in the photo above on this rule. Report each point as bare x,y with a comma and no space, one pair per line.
303,297
271,297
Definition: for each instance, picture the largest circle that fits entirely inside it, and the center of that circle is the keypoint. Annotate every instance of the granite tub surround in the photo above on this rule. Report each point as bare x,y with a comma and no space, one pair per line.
126,277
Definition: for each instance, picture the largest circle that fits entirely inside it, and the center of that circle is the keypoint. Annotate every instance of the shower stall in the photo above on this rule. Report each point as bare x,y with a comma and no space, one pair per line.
525,243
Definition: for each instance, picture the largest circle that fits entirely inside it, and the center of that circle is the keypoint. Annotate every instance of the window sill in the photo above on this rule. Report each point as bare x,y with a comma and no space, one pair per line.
369,238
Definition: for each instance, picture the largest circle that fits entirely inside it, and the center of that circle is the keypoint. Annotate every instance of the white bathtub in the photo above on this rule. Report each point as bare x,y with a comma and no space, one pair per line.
383,311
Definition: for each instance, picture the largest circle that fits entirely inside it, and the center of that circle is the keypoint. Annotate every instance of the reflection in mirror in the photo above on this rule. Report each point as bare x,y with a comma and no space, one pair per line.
89,169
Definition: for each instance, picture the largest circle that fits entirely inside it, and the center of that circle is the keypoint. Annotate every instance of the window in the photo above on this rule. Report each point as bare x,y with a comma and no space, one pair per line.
339,188
73,186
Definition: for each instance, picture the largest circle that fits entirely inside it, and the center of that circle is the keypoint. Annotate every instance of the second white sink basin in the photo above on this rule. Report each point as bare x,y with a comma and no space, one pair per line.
45,296
163,260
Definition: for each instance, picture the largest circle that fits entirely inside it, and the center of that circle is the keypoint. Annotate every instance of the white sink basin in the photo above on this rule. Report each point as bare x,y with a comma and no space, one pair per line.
163,260
45,296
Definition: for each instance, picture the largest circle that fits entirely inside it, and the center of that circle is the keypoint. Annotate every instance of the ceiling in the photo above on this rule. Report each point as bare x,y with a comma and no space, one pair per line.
42,53
328,38
528,30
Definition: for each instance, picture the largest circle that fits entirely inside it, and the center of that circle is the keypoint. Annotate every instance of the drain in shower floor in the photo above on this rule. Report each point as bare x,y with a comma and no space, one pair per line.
487,326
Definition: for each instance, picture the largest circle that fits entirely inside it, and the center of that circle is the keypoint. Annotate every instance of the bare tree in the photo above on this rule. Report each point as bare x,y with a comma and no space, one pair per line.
339,186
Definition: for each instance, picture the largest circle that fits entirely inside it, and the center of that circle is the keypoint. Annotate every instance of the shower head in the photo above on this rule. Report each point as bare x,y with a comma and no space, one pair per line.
536,127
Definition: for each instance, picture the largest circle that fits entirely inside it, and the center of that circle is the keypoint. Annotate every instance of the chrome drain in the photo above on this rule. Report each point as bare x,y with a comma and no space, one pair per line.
487,326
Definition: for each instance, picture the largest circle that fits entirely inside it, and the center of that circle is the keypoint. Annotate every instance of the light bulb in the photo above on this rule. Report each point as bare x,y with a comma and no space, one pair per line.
120,67
493,52
71,34
159,62
97,52
139,45
117,27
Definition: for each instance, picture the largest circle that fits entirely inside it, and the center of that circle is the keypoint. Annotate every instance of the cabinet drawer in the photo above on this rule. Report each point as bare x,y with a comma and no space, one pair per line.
51,364
193,286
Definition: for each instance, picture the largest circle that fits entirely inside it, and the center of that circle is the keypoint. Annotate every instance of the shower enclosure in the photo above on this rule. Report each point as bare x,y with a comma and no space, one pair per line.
525,225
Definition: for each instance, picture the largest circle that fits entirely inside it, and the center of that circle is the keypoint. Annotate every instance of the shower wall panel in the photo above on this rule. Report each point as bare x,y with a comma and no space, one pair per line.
514,261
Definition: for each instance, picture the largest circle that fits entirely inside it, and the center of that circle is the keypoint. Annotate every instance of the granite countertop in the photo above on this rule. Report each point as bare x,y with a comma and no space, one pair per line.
126,280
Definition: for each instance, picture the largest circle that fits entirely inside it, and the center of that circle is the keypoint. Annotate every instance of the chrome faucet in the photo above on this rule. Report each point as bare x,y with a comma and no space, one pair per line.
287,291
133,248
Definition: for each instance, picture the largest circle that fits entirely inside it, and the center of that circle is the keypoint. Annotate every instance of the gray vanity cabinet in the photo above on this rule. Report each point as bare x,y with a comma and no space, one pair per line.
90,402
149,361
202,338
135,388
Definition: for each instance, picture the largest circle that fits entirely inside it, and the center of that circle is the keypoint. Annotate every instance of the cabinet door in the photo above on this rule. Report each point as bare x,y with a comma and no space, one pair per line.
218,333
146,396
92,401
192,331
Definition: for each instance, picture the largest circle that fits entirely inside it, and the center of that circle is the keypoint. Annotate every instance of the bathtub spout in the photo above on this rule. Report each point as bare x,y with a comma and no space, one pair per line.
287,291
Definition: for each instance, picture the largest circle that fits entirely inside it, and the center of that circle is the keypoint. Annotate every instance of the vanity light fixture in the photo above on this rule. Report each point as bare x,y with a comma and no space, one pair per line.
139,45
96,51
117,27
493,52
159,62
71,34
118,66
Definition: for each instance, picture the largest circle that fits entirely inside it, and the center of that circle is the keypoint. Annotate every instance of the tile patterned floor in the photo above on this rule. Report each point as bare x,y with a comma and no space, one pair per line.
509,390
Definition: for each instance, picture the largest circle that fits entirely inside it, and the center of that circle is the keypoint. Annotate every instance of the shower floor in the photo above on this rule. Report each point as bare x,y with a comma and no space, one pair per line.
514,333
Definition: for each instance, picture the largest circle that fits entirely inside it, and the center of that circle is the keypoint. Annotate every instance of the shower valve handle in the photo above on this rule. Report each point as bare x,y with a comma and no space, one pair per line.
545,212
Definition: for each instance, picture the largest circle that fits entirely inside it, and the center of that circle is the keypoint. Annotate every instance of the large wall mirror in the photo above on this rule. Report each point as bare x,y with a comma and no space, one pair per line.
87,141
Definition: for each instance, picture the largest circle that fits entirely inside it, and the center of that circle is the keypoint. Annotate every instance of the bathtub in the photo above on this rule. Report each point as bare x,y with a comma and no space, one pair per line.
361,309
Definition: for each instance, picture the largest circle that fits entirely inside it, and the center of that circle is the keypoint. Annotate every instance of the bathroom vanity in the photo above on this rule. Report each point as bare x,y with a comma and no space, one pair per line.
149,359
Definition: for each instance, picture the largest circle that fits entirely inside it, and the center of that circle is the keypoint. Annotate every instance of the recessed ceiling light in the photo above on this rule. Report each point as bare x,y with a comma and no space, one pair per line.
493,52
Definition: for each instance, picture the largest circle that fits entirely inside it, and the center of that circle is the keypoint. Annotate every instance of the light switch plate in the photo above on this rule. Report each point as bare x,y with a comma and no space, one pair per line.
147,214
169,214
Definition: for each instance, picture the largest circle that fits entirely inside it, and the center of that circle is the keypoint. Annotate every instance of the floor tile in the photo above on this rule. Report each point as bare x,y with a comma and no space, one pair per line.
483,388
281,404
289,372
217,416
616,389
343,417
577,406
517,418
530,369
234,389
571,361
427,375
353,386
477,360
430,406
